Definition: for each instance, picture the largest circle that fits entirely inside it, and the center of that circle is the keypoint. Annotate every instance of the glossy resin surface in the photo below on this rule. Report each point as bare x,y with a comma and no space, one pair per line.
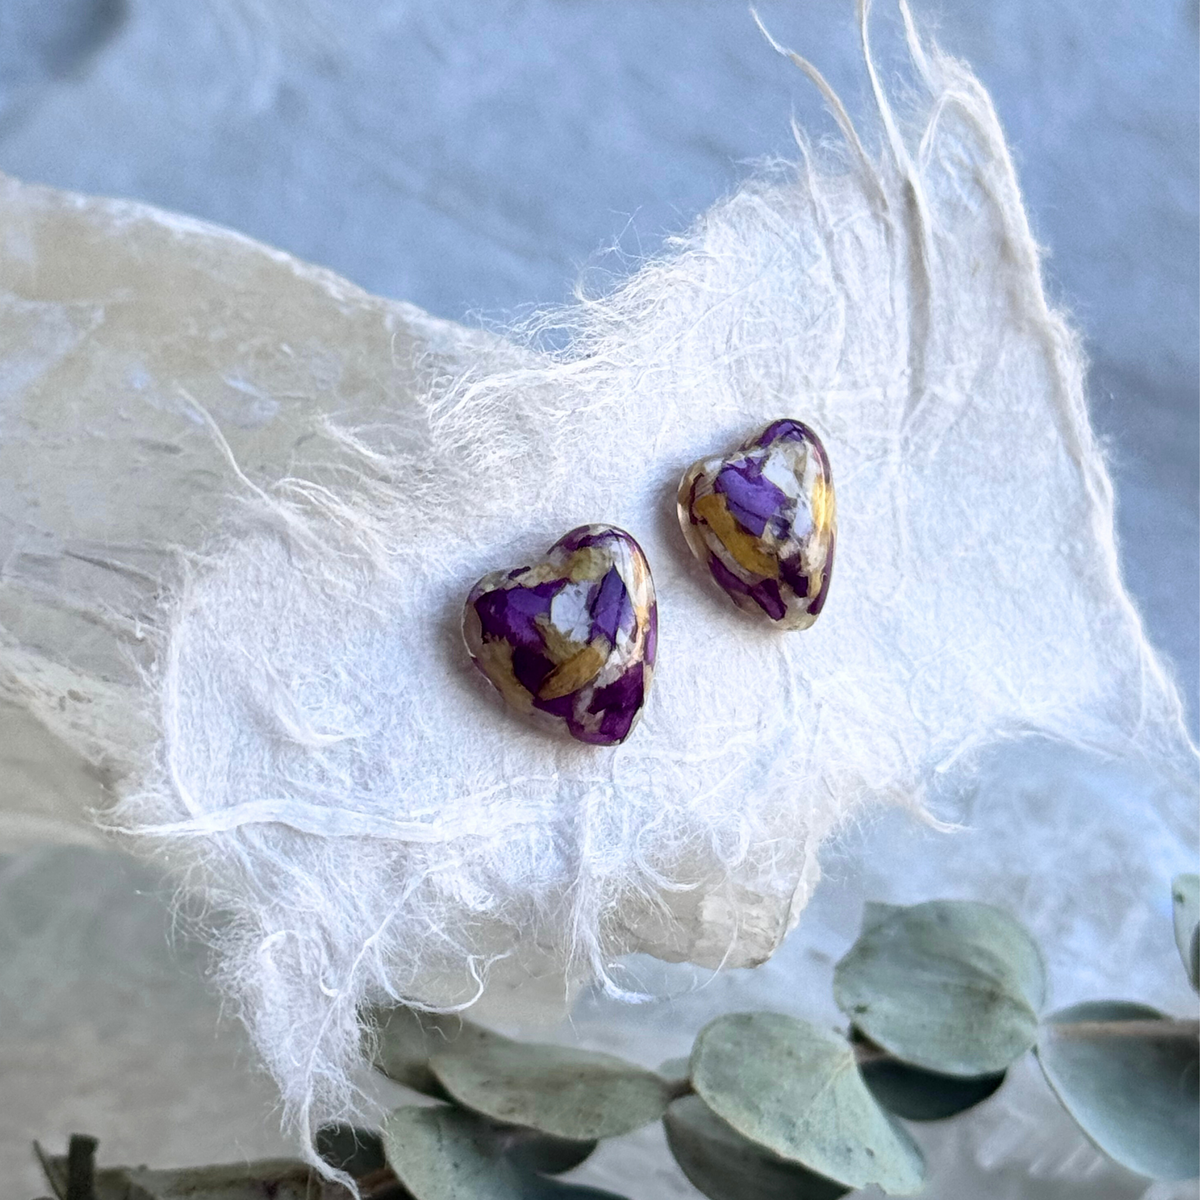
763,520
570,640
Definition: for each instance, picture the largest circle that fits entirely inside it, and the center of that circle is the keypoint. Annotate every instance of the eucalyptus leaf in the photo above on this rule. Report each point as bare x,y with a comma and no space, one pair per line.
1133,1092
875,912
355,1151
444,1153
406,1038
541,1152
951,985
1185,894
360,1151
575,1094
919,1095
794,1089
677,1072
540,1188
724,1165
675,1068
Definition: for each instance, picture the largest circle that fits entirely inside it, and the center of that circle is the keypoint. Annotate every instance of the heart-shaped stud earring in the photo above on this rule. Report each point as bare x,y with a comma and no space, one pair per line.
570,640
763,520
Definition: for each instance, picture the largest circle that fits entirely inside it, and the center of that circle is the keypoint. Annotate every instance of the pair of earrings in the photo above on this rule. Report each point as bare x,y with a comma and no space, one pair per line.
570,641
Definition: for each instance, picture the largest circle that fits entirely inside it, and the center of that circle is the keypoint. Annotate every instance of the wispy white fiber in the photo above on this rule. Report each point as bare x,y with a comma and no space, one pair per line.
377,824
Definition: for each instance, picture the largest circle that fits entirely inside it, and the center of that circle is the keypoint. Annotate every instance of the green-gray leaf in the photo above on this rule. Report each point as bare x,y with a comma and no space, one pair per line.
1134,1093
407,1038
575,1094
358,1152
919,1095
346,1148
875,912
1185,893
541,1152
795,1089
445,1153
675,1068
952,986
676,1072
724,1165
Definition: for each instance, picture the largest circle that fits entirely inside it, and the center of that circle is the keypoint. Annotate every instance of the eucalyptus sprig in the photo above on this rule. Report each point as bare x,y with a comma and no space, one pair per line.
941,999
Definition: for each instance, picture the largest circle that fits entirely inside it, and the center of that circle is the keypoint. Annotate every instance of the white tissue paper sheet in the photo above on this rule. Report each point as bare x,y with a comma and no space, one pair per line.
339,780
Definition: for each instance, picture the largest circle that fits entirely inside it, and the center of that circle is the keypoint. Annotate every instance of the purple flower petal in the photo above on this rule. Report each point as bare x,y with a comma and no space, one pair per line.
612,607
530,668
766,596
791,571
726,578
751,499
508,613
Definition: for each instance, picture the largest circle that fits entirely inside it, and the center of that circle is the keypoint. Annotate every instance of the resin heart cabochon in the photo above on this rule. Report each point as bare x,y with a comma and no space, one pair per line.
321,754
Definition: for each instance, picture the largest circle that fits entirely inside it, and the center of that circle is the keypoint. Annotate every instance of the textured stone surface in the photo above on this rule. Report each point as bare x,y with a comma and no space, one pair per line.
763,520
143,356
569,642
